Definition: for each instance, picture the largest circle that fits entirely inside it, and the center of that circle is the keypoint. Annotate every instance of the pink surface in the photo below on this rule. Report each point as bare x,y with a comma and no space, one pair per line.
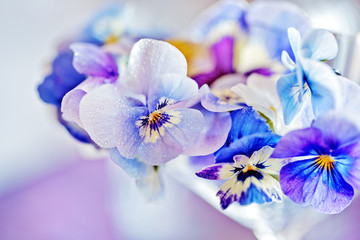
74,203
69,204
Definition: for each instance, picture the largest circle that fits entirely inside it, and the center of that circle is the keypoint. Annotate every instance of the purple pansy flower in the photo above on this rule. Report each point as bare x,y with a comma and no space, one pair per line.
251,179
323,164
143,113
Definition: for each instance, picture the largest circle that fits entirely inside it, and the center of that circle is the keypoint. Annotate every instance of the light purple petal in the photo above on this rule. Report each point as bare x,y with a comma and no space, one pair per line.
175,140
71,101
92,82
70,105
102,112
93,61
204,89
305,183
149,59
213,135
173,87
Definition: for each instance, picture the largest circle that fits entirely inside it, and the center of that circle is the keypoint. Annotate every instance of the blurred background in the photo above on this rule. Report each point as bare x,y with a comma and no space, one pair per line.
49,189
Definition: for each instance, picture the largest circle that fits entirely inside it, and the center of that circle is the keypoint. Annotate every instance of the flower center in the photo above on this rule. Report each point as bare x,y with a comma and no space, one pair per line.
325,161
152,127
227,96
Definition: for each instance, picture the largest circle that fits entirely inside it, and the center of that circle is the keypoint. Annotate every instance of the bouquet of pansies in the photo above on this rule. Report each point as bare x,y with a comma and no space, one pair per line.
249,88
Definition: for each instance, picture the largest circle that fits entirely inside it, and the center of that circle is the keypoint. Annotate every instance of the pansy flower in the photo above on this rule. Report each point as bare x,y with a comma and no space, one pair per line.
245,159
251,179
311,81
143,113
323,163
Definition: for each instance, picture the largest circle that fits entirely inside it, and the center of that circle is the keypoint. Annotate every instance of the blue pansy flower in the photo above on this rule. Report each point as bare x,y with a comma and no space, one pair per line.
323,163
52,90
311,83
251,179
245,159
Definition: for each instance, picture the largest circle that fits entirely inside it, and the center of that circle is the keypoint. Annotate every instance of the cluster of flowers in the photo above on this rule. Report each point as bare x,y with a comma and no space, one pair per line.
250,87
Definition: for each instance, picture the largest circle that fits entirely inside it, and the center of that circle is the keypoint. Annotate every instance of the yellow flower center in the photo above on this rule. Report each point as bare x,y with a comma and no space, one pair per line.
325,161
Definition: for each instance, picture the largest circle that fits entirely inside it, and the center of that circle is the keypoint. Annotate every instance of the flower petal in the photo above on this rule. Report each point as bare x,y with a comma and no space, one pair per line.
295,40
261,191
62,79
217,171
133,167
93,61
260,93
337,131
223,52
292,96
320,45
302,142
70,105
246,146
253,189
176,138
215,104
213,134
246,122
107,116
287,61
229,192
261,159
75,130
71,101
323,85
149,59
305,183
173,87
